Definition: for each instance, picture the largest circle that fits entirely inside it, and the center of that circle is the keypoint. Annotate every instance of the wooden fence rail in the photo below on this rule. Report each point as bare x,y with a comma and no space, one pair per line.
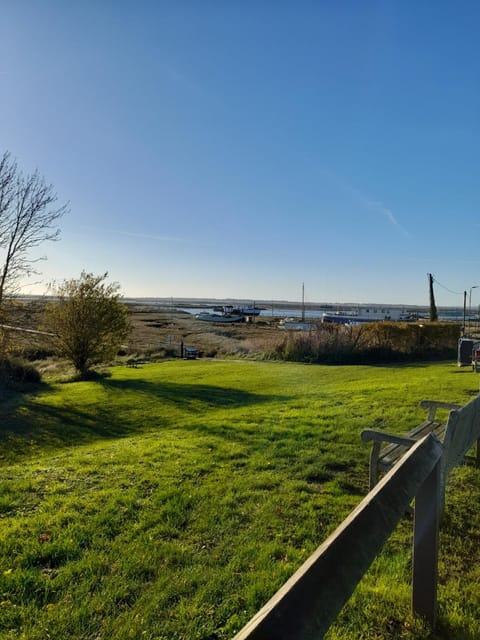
308,603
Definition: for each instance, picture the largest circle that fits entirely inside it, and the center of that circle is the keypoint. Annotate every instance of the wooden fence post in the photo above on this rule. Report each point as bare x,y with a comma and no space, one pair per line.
425,547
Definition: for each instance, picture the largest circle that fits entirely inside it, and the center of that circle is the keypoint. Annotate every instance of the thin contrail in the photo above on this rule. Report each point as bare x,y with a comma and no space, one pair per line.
374,205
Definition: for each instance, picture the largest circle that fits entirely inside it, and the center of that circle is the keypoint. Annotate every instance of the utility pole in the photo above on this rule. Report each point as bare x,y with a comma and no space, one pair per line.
433,308
464,310
303,302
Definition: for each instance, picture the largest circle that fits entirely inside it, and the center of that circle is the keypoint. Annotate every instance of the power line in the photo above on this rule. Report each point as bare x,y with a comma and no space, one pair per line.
456,293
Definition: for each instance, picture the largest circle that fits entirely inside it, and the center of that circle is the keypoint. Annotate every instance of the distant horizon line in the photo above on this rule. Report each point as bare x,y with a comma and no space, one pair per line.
268,302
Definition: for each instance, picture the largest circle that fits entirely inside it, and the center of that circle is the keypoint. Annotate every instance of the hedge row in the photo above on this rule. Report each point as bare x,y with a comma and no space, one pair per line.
370,343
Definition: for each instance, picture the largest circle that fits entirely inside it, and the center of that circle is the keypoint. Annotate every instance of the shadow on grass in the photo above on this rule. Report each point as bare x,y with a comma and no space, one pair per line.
14,392
28,427
216,397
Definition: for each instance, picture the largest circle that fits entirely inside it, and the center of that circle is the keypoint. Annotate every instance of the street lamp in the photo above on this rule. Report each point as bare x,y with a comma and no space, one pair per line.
470,299
475,286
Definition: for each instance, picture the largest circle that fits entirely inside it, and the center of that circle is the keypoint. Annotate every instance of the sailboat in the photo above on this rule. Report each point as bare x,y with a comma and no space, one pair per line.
295,325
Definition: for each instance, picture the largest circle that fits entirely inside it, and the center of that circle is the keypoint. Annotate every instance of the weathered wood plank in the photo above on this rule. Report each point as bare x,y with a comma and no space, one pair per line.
462,433
433,405
393,447
391,453
425,547
305,607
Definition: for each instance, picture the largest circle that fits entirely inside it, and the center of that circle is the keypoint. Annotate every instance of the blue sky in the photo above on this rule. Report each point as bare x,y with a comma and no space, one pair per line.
238,149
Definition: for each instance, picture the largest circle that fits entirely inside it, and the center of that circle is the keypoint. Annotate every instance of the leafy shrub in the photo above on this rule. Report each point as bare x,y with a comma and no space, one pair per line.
88,320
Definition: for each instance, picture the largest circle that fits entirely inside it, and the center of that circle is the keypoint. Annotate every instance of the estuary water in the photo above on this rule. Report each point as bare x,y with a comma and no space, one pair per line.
277,312
286,310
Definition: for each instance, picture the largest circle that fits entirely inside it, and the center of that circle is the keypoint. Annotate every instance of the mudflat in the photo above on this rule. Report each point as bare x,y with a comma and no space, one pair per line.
156,332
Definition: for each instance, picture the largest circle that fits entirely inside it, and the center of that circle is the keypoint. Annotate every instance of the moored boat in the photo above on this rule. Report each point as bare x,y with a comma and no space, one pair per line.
247,311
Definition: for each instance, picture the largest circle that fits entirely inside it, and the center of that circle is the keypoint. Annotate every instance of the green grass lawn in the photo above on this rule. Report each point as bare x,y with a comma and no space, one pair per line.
171,501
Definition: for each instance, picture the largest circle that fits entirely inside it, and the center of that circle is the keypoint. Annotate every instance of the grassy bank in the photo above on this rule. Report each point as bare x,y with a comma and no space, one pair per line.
170,501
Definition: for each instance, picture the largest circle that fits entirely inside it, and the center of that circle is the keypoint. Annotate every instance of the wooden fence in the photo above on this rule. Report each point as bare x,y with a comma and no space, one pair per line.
308,603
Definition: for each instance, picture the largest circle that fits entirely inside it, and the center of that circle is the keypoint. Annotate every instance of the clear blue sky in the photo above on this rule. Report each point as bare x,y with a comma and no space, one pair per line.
238,149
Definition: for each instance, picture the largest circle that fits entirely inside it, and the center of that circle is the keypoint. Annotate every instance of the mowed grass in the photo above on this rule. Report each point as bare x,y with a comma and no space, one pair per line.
172,500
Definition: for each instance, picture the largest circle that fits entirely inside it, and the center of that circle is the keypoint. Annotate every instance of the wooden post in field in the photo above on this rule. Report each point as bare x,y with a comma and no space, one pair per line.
425,547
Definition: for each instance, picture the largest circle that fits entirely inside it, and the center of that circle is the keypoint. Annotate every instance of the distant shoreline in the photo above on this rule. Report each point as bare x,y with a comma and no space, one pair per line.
265,305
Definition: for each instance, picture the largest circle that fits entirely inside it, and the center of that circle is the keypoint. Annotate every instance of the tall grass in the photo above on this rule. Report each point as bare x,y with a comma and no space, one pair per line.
170,501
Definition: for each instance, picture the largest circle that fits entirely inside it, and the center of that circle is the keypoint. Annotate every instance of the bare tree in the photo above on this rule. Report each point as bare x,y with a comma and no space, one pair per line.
28,217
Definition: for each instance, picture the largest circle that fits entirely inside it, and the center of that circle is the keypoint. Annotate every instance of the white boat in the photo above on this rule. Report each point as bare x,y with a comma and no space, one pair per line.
216,317
363,314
